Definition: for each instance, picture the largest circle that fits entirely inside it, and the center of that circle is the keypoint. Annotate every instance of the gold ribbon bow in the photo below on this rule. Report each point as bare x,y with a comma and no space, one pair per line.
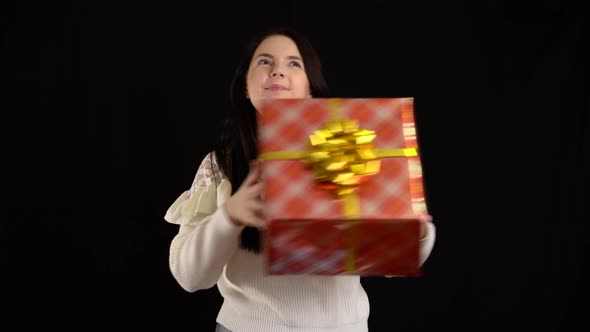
342,157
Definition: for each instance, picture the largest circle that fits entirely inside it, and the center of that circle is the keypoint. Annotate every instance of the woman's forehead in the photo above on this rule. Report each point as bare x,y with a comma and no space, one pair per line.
277,45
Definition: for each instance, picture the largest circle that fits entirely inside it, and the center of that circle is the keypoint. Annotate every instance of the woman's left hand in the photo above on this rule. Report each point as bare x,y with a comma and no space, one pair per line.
424,218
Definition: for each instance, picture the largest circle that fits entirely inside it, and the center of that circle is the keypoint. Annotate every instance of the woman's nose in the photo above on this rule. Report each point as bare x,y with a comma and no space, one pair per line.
277,73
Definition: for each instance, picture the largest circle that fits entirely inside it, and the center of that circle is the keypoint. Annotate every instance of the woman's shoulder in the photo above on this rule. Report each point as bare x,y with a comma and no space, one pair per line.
202,197
208,172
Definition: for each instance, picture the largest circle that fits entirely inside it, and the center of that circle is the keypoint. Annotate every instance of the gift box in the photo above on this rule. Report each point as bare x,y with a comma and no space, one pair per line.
343,186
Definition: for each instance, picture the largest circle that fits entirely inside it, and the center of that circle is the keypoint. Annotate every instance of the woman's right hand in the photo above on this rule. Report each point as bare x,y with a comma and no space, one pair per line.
245,207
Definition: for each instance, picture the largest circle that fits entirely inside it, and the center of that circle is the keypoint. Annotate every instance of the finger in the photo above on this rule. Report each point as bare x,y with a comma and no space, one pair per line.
251,178
425,218
255,190
256,221
266,222
256,207
255,170
253,175
262,223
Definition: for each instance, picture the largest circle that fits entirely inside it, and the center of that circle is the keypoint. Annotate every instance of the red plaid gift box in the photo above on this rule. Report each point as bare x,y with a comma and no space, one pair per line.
373,231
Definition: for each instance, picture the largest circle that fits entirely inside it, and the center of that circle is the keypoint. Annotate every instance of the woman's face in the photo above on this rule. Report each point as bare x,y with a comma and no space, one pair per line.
276,72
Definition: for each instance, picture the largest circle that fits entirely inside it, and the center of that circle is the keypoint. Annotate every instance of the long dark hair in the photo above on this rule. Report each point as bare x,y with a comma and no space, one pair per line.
238,140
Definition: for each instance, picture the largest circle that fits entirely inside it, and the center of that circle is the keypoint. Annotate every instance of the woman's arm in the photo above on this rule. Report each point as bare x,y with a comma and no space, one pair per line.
199,253
207,238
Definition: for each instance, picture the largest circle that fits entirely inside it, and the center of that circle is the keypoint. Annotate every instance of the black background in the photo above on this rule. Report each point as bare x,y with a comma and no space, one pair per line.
109,107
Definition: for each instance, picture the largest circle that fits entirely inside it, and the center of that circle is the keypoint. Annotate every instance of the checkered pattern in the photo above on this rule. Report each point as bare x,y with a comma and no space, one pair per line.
292,195
320,247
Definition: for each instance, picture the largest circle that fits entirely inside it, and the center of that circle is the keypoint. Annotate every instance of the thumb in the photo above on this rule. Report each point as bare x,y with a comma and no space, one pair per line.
253,174
255,169
425,218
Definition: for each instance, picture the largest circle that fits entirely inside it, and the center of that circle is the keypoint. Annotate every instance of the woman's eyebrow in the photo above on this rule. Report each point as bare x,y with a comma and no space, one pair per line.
265,55
290,57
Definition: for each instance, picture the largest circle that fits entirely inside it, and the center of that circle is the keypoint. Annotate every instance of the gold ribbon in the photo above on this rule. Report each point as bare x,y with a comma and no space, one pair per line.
342,157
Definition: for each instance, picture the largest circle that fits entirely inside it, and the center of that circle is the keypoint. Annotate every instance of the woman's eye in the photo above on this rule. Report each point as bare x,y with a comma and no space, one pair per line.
264,62
296,64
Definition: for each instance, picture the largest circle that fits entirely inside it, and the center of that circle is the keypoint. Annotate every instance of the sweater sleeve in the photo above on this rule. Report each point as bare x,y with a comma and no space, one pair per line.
207,238
427,243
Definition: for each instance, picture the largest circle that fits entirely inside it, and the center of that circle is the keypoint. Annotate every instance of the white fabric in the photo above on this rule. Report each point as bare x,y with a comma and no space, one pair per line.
205,252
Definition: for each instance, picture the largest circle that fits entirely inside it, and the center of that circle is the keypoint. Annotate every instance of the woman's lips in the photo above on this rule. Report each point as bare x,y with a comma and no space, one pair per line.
276,87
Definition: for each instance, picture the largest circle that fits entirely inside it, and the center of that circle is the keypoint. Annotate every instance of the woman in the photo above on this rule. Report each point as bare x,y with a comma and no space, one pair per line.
219,217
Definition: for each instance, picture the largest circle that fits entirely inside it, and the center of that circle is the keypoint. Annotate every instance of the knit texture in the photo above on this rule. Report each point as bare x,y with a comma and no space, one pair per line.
206,252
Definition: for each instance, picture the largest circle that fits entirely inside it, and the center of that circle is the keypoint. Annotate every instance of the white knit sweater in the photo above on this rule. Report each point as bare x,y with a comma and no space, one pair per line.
205,252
